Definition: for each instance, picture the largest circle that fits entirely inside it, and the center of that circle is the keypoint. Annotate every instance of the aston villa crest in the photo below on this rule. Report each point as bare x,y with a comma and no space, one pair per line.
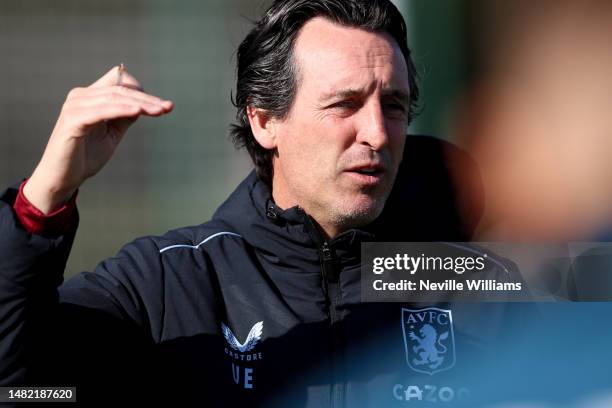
429,339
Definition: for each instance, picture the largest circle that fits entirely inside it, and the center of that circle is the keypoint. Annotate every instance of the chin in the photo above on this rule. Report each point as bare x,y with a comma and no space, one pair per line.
361,212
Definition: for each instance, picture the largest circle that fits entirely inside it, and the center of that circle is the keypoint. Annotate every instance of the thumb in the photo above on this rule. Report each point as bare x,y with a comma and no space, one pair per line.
117,75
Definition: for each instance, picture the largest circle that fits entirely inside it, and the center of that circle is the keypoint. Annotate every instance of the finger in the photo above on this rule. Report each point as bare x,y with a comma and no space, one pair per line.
91,116
113,111
112,98
120,91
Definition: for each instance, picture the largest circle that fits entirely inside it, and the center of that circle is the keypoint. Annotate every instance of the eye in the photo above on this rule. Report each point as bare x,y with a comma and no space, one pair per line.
344,108
396,110
394,106
345,104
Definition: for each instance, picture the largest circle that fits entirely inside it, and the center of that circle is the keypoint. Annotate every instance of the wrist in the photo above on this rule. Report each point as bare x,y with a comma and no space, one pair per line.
47,198
52,225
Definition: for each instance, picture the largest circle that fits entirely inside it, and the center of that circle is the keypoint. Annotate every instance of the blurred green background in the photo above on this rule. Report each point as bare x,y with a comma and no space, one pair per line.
176,170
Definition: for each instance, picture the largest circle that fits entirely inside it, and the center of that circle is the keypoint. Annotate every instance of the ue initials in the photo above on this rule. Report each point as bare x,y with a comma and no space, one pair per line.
247,376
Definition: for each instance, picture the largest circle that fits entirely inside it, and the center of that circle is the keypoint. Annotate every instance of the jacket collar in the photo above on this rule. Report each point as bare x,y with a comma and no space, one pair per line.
290,233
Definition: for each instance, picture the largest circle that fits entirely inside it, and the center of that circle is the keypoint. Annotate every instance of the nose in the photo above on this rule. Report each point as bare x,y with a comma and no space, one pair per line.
372,130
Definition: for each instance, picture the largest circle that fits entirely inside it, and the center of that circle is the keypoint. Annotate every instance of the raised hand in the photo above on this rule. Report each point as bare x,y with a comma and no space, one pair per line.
92,123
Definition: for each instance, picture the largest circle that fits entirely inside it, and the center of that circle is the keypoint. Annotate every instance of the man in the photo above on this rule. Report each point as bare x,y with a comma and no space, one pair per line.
260,305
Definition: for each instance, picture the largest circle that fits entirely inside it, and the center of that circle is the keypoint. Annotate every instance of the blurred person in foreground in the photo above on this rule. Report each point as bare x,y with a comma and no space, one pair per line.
262,303
537,123
537,120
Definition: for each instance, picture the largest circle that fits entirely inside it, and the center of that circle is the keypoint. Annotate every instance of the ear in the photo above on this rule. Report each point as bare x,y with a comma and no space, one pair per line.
263,127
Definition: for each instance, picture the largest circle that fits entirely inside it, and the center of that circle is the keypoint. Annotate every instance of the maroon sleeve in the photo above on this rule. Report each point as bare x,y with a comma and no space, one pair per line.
34,221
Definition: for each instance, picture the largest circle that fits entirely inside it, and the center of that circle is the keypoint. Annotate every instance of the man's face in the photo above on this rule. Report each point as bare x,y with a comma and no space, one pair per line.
339,148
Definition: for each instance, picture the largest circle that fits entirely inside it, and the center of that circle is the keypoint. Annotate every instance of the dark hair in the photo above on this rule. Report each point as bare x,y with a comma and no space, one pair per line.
265,70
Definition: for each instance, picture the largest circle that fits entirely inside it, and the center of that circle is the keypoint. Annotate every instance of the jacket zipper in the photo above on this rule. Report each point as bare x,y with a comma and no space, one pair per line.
331,288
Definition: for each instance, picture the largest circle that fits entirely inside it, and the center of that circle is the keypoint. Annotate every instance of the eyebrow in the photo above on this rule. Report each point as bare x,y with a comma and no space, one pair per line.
351,93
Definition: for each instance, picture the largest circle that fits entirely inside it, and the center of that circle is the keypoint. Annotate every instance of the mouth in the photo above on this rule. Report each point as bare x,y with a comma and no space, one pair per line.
369,174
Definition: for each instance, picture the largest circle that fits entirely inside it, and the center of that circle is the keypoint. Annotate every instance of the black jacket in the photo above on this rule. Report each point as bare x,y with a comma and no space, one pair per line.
168,318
